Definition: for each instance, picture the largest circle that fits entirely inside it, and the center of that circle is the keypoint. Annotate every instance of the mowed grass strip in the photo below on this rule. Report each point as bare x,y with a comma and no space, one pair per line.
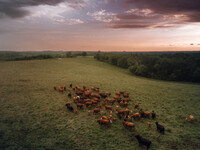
34,116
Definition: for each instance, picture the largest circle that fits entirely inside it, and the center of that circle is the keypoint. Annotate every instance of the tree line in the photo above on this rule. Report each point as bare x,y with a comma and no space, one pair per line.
16,56
167,66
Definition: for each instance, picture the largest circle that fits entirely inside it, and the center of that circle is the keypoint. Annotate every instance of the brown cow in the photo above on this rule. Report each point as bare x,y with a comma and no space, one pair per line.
126,111
117,93
79,105
60,89
112,101
129,124
136,115
97,89
105,117
122,92
54,87
103,122
108,107
93,88
108,93
126,95
136,105
126,104
147,114
96,99
96,110
121,103
88,104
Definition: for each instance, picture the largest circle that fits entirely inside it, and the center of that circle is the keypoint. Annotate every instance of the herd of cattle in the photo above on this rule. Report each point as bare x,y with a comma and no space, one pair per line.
95,101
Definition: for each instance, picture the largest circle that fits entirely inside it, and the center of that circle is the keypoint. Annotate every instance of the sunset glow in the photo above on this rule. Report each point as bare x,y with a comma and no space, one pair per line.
106,25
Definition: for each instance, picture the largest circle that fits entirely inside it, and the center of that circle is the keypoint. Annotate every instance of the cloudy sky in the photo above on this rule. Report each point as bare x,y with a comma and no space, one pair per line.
113,25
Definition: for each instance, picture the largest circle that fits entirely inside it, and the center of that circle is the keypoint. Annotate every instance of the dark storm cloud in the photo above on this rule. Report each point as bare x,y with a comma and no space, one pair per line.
156,13
191,8
15,8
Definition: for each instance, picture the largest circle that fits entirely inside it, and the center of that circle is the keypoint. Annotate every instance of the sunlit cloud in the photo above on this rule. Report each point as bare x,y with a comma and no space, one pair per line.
103,16
68,21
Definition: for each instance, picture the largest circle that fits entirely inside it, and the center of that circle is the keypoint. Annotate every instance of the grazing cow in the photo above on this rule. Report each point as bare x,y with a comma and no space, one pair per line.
147,114
103,122
191,118
95,102
87,93
70,85
97,96
60,89
97,89
120,112
67,103
160,128
131,113
121,103
79,93
125,95
54,87
69,95
108,107
101,112
117,106
108,93
153,115
96,110
142,113
93,88
136,105
117,97
136,116
88,104
89,112
126,100
112,101
126,104
105,117
127,111
122,92
87,100
79,105
128,124
117,93
96,99
103,95
143,141
70,107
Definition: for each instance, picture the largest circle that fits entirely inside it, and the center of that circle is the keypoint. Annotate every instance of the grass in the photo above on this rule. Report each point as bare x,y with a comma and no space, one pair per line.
34,116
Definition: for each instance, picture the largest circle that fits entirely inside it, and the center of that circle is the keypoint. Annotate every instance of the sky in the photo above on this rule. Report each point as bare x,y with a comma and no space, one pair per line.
105,25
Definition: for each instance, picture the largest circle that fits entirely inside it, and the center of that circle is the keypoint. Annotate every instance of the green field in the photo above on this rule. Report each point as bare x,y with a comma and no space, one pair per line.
34,116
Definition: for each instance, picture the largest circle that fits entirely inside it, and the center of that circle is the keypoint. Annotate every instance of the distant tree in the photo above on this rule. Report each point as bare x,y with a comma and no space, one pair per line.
196,75
84,53
122,62
113,60
68,54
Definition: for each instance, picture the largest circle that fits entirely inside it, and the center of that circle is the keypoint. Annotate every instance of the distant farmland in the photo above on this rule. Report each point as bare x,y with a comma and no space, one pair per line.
34,116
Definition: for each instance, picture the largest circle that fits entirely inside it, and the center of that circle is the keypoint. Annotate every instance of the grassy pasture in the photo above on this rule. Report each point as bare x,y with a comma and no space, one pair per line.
34,116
